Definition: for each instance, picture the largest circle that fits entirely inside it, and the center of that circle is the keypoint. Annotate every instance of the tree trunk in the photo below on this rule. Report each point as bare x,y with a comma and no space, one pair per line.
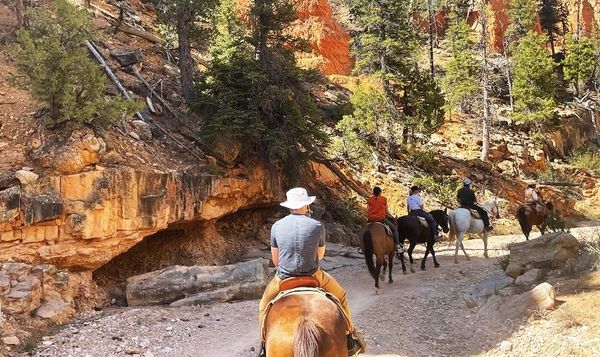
511,99
20,12
551,39
430,22
485,137
186,62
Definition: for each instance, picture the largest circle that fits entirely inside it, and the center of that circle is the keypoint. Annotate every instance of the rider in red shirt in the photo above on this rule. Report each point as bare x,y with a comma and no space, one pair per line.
378,212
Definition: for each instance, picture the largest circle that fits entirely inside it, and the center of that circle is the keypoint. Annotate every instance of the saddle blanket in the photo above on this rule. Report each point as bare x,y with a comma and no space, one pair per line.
297,291
423,222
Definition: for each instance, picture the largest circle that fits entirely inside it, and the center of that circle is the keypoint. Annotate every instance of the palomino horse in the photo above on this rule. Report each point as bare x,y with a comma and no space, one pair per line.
305,325
375,240
529,216
410,227
462,222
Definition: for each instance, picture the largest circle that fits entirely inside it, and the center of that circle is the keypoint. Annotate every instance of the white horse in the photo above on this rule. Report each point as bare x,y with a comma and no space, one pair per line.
462,222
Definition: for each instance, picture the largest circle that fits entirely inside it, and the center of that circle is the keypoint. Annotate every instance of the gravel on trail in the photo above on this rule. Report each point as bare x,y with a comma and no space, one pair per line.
420,313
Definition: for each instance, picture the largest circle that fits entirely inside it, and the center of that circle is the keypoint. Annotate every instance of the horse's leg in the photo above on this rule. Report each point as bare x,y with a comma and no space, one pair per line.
426,254
485,242
435,262
391,262
459,237
410,250
402,261
382,277
462,246
377,274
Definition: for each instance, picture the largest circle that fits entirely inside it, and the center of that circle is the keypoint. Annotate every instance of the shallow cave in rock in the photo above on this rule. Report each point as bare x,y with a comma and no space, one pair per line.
228,240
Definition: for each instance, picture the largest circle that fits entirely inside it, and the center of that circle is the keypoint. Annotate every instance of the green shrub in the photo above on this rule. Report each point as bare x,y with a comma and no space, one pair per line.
58,70
556,223
503,261
345,212
587,160
441,187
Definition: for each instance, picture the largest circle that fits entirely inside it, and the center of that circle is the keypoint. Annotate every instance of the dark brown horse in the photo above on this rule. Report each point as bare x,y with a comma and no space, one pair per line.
531,214
411,229
376,240
305,325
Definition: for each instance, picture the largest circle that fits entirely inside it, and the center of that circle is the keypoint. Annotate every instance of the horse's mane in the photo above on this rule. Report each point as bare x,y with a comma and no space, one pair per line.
308,341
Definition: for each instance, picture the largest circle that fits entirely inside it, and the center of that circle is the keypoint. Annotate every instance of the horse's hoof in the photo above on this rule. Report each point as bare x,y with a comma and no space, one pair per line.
468,259
485,255
423,269
412,270
376,291
436,266
404,272
390,281
456,262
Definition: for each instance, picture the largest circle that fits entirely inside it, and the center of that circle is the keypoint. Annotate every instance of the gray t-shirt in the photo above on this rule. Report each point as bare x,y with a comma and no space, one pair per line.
297,237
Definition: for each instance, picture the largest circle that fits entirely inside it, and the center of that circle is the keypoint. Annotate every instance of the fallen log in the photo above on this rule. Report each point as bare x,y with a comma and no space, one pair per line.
139,33
557,183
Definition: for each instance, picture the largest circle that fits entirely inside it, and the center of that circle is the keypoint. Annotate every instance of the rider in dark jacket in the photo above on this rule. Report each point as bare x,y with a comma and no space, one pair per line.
466,198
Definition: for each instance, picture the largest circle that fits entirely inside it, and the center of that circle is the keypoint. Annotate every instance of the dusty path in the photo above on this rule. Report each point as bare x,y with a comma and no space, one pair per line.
419,314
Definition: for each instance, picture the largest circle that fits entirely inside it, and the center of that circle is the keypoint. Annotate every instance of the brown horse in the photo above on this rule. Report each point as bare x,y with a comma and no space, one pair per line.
375,240
305,325
529,216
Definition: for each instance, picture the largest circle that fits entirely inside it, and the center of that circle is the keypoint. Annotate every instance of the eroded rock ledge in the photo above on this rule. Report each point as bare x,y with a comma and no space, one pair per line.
82,221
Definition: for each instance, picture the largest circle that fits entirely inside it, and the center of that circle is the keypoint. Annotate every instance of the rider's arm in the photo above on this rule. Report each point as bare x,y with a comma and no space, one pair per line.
275,255
321,248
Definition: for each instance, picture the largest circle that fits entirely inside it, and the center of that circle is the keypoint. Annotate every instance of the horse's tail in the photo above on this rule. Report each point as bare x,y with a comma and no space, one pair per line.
308,340
522,218
368,245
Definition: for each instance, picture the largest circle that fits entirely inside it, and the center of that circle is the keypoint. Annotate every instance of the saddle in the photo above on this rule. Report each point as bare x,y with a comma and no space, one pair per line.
388,230
475,214
301,290
539,207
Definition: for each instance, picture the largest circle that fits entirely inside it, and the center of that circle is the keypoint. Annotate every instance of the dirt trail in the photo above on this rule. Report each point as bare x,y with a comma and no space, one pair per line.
419,314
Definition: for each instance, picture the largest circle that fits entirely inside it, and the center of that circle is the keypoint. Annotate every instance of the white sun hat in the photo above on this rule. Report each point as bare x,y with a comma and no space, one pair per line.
297,198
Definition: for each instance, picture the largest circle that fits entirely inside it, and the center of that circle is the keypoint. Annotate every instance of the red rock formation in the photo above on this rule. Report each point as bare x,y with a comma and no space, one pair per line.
328,39
586,12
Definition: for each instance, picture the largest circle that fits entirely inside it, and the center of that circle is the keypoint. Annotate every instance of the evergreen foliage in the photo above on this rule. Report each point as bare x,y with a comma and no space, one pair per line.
386,47
58,69
462,71
259,101
580,62
534,81
553,19
522,15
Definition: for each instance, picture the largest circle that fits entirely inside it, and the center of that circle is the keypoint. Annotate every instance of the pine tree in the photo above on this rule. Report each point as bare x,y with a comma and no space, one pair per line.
58,69
385,47
522,16
462,71
580,62
534,81
190,19
252,91
553,19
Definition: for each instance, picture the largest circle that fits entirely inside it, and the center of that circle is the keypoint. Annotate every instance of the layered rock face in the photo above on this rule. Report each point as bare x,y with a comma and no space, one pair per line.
82,221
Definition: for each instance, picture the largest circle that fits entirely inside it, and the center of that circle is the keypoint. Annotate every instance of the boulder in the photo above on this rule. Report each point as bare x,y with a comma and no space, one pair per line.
514,270
25,296
529,278
540,298
11,340
227,149
142,129
199,284
479,294
26,177
126,56
550,251
71,155
55,310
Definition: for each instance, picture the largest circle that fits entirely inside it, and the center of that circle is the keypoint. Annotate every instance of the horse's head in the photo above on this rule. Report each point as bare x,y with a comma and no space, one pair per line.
492,208
441,217
495,209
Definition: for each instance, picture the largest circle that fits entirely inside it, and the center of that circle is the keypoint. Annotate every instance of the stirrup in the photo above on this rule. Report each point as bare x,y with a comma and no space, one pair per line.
356,343
262,352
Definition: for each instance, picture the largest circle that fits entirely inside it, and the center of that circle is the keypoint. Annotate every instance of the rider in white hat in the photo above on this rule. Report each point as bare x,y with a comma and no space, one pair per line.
297,246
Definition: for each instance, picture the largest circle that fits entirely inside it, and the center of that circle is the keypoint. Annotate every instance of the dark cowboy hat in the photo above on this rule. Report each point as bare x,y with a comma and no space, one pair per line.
415,188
